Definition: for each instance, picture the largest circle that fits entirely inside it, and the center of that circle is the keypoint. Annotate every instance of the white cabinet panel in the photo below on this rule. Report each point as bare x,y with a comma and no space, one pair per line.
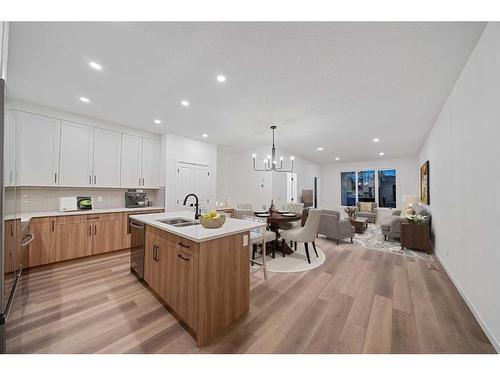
77,142
37,149
107,151
131,161
9,166
150,163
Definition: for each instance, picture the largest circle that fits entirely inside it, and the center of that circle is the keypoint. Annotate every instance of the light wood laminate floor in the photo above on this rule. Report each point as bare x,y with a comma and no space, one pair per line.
358,301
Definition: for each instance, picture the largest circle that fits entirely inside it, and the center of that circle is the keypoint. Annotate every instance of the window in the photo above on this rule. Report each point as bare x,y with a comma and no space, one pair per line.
361,187
387,188
348,188
366,186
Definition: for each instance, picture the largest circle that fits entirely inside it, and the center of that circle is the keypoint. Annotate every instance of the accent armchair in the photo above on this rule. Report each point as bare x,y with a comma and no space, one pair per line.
391,226
243,209
333,227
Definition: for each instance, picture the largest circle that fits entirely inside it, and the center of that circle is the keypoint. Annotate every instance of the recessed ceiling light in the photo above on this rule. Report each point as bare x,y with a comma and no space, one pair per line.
204,135
185,103
337,158
157,121
95,65
292,158
221,78
84,99
376,140
381,153
320,148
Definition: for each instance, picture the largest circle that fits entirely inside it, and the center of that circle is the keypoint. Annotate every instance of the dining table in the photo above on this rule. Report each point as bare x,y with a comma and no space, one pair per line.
274,220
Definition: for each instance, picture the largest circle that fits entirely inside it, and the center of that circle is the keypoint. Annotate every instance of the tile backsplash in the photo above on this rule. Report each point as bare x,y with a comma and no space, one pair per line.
47,199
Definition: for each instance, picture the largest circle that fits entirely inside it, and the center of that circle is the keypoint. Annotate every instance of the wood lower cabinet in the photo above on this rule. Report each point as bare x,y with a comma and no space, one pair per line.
73,238
43,247
107,233
206,284
12,245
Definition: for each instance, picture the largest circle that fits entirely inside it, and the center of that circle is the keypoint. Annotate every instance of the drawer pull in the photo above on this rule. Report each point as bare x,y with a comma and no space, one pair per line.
180,256
93,218
184,246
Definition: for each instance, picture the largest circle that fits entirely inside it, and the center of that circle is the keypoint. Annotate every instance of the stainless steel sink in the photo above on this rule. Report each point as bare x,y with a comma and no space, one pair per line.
178,222
174,221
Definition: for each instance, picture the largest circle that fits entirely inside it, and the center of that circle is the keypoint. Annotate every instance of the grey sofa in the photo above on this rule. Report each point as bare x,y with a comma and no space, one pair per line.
331,226
371,216
391,226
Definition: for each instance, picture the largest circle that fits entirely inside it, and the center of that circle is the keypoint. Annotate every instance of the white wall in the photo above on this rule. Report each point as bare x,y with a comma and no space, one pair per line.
464,154
407,178
239,183
182,149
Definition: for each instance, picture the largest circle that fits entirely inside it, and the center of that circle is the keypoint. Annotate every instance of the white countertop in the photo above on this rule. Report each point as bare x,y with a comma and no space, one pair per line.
27,216
196,232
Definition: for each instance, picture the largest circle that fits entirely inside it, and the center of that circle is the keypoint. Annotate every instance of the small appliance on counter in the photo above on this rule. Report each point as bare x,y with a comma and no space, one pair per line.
68,204
135,198
84,203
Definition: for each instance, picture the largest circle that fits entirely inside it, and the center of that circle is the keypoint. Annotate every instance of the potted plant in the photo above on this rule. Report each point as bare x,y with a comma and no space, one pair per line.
351,211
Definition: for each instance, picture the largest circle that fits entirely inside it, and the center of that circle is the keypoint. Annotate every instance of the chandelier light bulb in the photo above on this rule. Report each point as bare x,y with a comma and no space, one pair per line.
254,156
292,158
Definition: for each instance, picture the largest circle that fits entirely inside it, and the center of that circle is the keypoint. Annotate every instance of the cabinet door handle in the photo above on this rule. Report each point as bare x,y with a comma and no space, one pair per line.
90,230
185,259
155,252
95,230
184,246
143,181
95,179
53,225
55,177
139,181
90,179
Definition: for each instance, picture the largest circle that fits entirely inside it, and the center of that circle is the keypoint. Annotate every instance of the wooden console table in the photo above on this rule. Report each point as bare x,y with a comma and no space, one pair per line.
416,236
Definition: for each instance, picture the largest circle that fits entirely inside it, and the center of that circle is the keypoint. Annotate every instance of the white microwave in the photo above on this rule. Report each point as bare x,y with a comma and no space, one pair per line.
68,204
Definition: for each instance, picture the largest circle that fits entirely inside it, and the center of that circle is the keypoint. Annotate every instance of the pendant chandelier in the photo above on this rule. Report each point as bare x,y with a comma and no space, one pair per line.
270,163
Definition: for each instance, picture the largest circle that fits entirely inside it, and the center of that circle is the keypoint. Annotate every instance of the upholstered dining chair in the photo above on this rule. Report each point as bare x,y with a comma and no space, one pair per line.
295,208
306,234
259,237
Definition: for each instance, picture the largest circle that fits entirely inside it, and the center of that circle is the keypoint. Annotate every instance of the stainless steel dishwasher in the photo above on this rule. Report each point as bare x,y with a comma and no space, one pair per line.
137,233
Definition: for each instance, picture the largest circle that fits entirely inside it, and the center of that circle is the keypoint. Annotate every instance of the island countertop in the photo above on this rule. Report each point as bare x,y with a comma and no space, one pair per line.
197,233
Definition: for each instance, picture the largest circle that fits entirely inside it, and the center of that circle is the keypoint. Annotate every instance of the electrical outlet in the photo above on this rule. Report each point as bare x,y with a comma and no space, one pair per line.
245,240
99,198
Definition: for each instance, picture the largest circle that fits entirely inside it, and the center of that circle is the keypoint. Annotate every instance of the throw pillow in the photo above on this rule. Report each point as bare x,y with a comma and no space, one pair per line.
365,206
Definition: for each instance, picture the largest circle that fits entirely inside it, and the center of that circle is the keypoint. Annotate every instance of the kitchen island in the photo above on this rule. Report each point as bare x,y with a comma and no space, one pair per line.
202,275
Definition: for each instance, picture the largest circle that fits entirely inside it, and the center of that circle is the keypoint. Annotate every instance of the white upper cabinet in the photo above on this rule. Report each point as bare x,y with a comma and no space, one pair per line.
77,149
107,151
52,152
150,163
37,149
131,174
9,166
140,162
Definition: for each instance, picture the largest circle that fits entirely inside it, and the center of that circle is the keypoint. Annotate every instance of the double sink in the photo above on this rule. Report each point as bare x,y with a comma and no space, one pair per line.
179,222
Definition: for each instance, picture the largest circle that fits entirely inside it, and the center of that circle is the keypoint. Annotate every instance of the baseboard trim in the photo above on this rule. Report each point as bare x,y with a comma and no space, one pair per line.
476,314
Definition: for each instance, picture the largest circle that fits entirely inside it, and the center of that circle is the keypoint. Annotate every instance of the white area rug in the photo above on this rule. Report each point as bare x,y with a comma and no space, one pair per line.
373,239
296,262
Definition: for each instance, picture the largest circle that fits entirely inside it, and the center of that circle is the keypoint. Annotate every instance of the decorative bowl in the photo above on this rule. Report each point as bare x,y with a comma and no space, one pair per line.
213,223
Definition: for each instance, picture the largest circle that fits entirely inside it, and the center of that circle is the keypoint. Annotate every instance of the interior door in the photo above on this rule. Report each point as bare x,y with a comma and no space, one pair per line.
37,149
202,185
77,145
107,152
150,163
184,183
291,187
131,161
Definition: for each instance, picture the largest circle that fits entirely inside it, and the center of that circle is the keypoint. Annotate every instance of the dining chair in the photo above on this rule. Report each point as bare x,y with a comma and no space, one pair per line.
259,237
306,234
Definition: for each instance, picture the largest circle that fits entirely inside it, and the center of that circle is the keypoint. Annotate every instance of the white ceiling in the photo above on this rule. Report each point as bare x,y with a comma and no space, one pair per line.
336,85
